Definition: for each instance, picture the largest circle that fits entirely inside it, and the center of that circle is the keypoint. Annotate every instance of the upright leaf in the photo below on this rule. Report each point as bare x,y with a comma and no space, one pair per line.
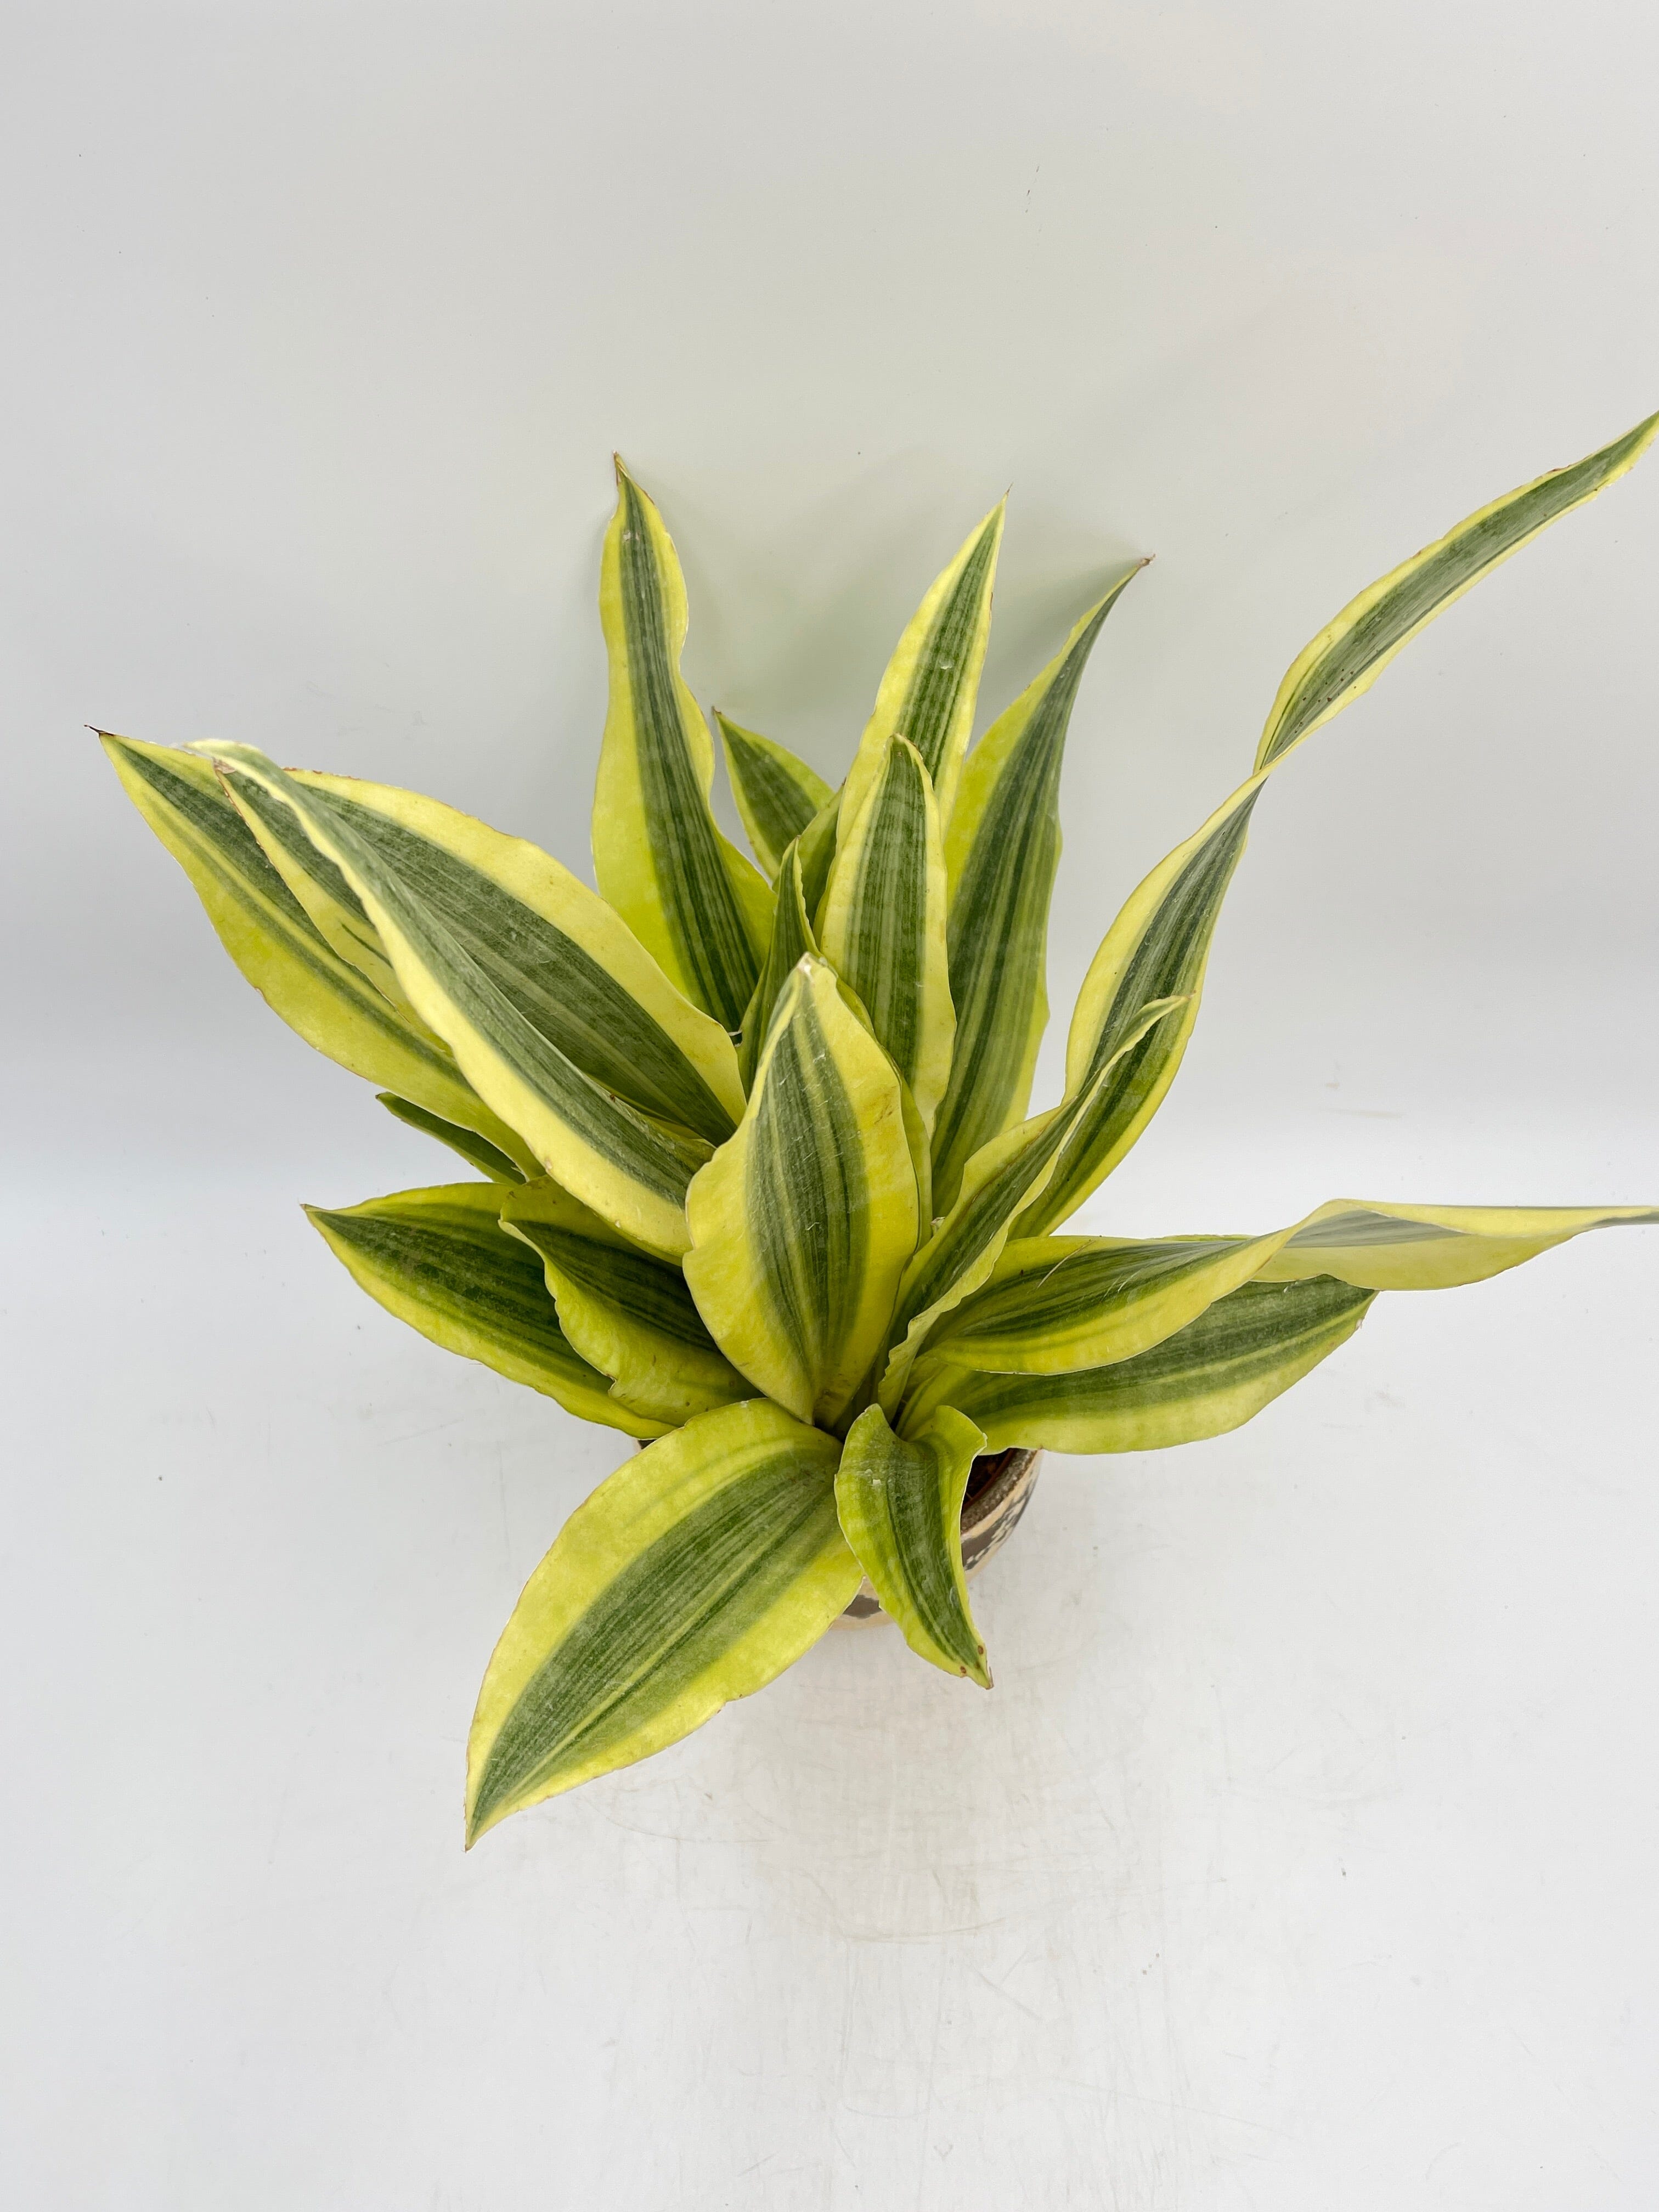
932,683
484,968
1216,1373
687,892
1000,1178
697,1573
1350,652
777,795
792,941
1160,941
801,1223
901,1510
1000,855
438,1259
884,923
267,933
629,1314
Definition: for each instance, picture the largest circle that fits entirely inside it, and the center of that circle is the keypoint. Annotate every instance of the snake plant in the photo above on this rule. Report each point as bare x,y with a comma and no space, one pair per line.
760,1184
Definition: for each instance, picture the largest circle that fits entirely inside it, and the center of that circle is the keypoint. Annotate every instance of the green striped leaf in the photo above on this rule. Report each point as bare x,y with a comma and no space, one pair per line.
901,1510
438,1259
1000,855
792,941
1053,1304
1350,653
687,892
777,795
696,1574
801,1223
817,856
1160,942
467,1142
627,1313
931,683
1000,1178
884,923
1213,1375
267,933
498,948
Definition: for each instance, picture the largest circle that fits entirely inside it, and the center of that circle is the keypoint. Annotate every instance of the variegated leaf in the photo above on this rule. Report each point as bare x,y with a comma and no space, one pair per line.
500,950
1350,652
1160,941
1000,1178
698,1572
801,1223
884,923
438,1260
467,1142
626,1313
267,933
931,683
901,1510
777,795
687,892
792,941
1214,1374
1000,855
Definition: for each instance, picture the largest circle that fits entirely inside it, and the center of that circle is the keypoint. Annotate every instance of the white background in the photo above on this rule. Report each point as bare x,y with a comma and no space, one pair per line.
1303,1856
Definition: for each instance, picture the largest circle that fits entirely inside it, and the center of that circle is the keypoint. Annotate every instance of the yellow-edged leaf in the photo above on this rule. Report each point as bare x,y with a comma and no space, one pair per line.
931,683
698,1572
627,1313
793,939
438,1258
777,795
1000,855
684,888
884,923
801,1223
901,1510
472,1148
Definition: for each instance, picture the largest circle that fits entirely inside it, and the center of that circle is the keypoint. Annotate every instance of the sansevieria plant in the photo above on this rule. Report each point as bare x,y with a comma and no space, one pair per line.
761,1185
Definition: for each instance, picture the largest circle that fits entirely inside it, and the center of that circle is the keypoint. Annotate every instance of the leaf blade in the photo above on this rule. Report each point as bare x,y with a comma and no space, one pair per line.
900,1503
777,795
699,1571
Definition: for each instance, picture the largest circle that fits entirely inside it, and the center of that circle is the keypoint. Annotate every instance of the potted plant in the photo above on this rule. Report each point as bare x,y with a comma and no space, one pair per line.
757,1182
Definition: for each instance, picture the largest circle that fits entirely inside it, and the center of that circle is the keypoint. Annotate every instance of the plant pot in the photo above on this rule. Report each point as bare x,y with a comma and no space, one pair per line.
1000,1486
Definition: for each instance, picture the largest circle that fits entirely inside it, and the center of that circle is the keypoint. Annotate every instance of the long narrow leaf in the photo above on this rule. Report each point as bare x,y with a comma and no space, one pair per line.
467,1142
931,683
438,1259
1219,1371
697,1573
792,941
884,923
484,968
801,1223
901,1510
1160,941
629,1314
1000,855
687,892
325,998
777,795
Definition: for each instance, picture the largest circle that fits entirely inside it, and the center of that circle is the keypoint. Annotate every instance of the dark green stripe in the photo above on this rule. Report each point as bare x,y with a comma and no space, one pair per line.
885,955
467,1142
1167,962
1055,1295
791,938
806,1195
909,1493
225,844
462,1265
701,906
644,1291
780,807
941,669
1418,595
665,1617
564,992
999,927
1240,1340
